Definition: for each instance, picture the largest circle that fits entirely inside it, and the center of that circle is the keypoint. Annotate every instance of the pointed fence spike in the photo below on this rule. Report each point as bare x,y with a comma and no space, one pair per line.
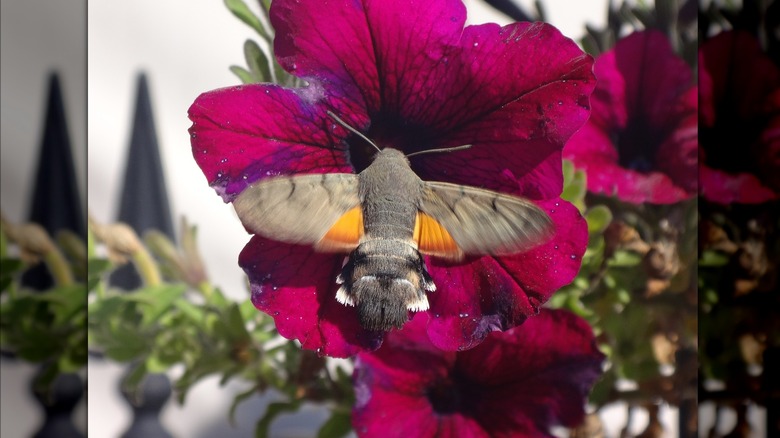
144,201
56,203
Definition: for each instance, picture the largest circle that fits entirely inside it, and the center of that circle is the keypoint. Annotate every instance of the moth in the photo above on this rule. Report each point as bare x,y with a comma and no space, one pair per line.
386,218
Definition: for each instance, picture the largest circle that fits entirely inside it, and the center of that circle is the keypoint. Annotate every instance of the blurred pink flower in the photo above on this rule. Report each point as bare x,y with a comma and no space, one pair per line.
640,142
516,383
739,90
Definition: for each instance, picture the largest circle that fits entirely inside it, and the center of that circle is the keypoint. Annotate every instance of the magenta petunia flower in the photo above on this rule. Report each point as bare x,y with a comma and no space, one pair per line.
740,120
640,142
517,383
408,75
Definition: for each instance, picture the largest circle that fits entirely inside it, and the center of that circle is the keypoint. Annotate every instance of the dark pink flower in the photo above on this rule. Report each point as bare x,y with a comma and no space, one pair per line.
410,76
739,89
640,142
516,383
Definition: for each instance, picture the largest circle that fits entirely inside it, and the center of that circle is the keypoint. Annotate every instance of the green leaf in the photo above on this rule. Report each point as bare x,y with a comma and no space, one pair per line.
98,266
217,299
257,61
10,266
338,425
713,259
243,74
598,217
192,312
235,324
125,344
574,185
156,300
242,12
66,301
3,244
101,311
8,269
625,259
272,411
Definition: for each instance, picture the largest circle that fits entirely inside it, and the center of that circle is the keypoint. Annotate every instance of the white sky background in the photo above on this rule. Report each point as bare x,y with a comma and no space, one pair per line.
185,47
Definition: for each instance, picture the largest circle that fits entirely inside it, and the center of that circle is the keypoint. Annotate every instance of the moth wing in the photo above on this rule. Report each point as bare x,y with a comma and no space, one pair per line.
485,222
433,239
318,209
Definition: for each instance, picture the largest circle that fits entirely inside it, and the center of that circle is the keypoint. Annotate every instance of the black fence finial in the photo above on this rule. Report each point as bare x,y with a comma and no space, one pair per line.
56,204
144,201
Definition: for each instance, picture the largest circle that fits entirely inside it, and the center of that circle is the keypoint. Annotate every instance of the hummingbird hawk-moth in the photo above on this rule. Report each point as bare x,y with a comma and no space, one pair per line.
386,218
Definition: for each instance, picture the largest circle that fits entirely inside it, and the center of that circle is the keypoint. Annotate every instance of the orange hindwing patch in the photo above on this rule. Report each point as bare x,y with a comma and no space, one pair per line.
345,234
433,239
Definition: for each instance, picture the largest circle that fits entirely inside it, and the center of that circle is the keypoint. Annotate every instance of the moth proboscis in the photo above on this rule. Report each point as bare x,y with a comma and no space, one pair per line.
386,217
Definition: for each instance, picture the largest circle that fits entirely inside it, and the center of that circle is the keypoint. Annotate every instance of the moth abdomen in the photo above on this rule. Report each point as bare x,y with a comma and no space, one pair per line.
385,280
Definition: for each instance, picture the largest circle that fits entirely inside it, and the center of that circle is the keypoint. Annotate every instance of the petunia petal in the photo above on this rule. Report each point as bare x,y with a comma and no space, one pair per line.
516,383
653,75
554,363
245,133
489,294
360,48
739,92
298,288
725,188
516,114
436,84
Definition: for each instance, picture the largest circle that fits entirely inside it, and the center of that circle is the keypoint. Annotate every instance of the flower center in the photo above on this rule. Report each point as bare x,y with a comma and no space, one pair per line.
728,144
445,398
637,146
389,130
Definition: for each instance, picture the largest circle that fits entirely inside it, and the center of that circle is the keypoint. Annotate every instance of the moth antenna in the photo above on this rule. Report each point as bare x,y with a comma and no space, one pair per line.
353,130
430,151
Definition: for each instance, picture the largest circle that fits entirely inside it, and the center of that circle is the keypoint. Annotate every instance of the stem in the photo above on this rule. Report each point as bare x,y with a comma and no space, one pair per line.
58,267
146,266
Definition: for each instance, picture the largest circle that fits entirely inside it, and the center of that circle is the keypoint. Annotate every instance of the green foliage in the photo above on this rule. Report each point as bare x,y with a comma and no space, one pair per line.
186,321
46,327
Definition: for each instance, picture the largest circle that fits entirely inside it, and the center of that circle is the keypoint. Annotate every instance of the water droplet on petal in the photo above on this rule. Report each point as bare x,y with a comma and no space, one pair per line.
476,44
555,247
224,160
572,256
560,102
